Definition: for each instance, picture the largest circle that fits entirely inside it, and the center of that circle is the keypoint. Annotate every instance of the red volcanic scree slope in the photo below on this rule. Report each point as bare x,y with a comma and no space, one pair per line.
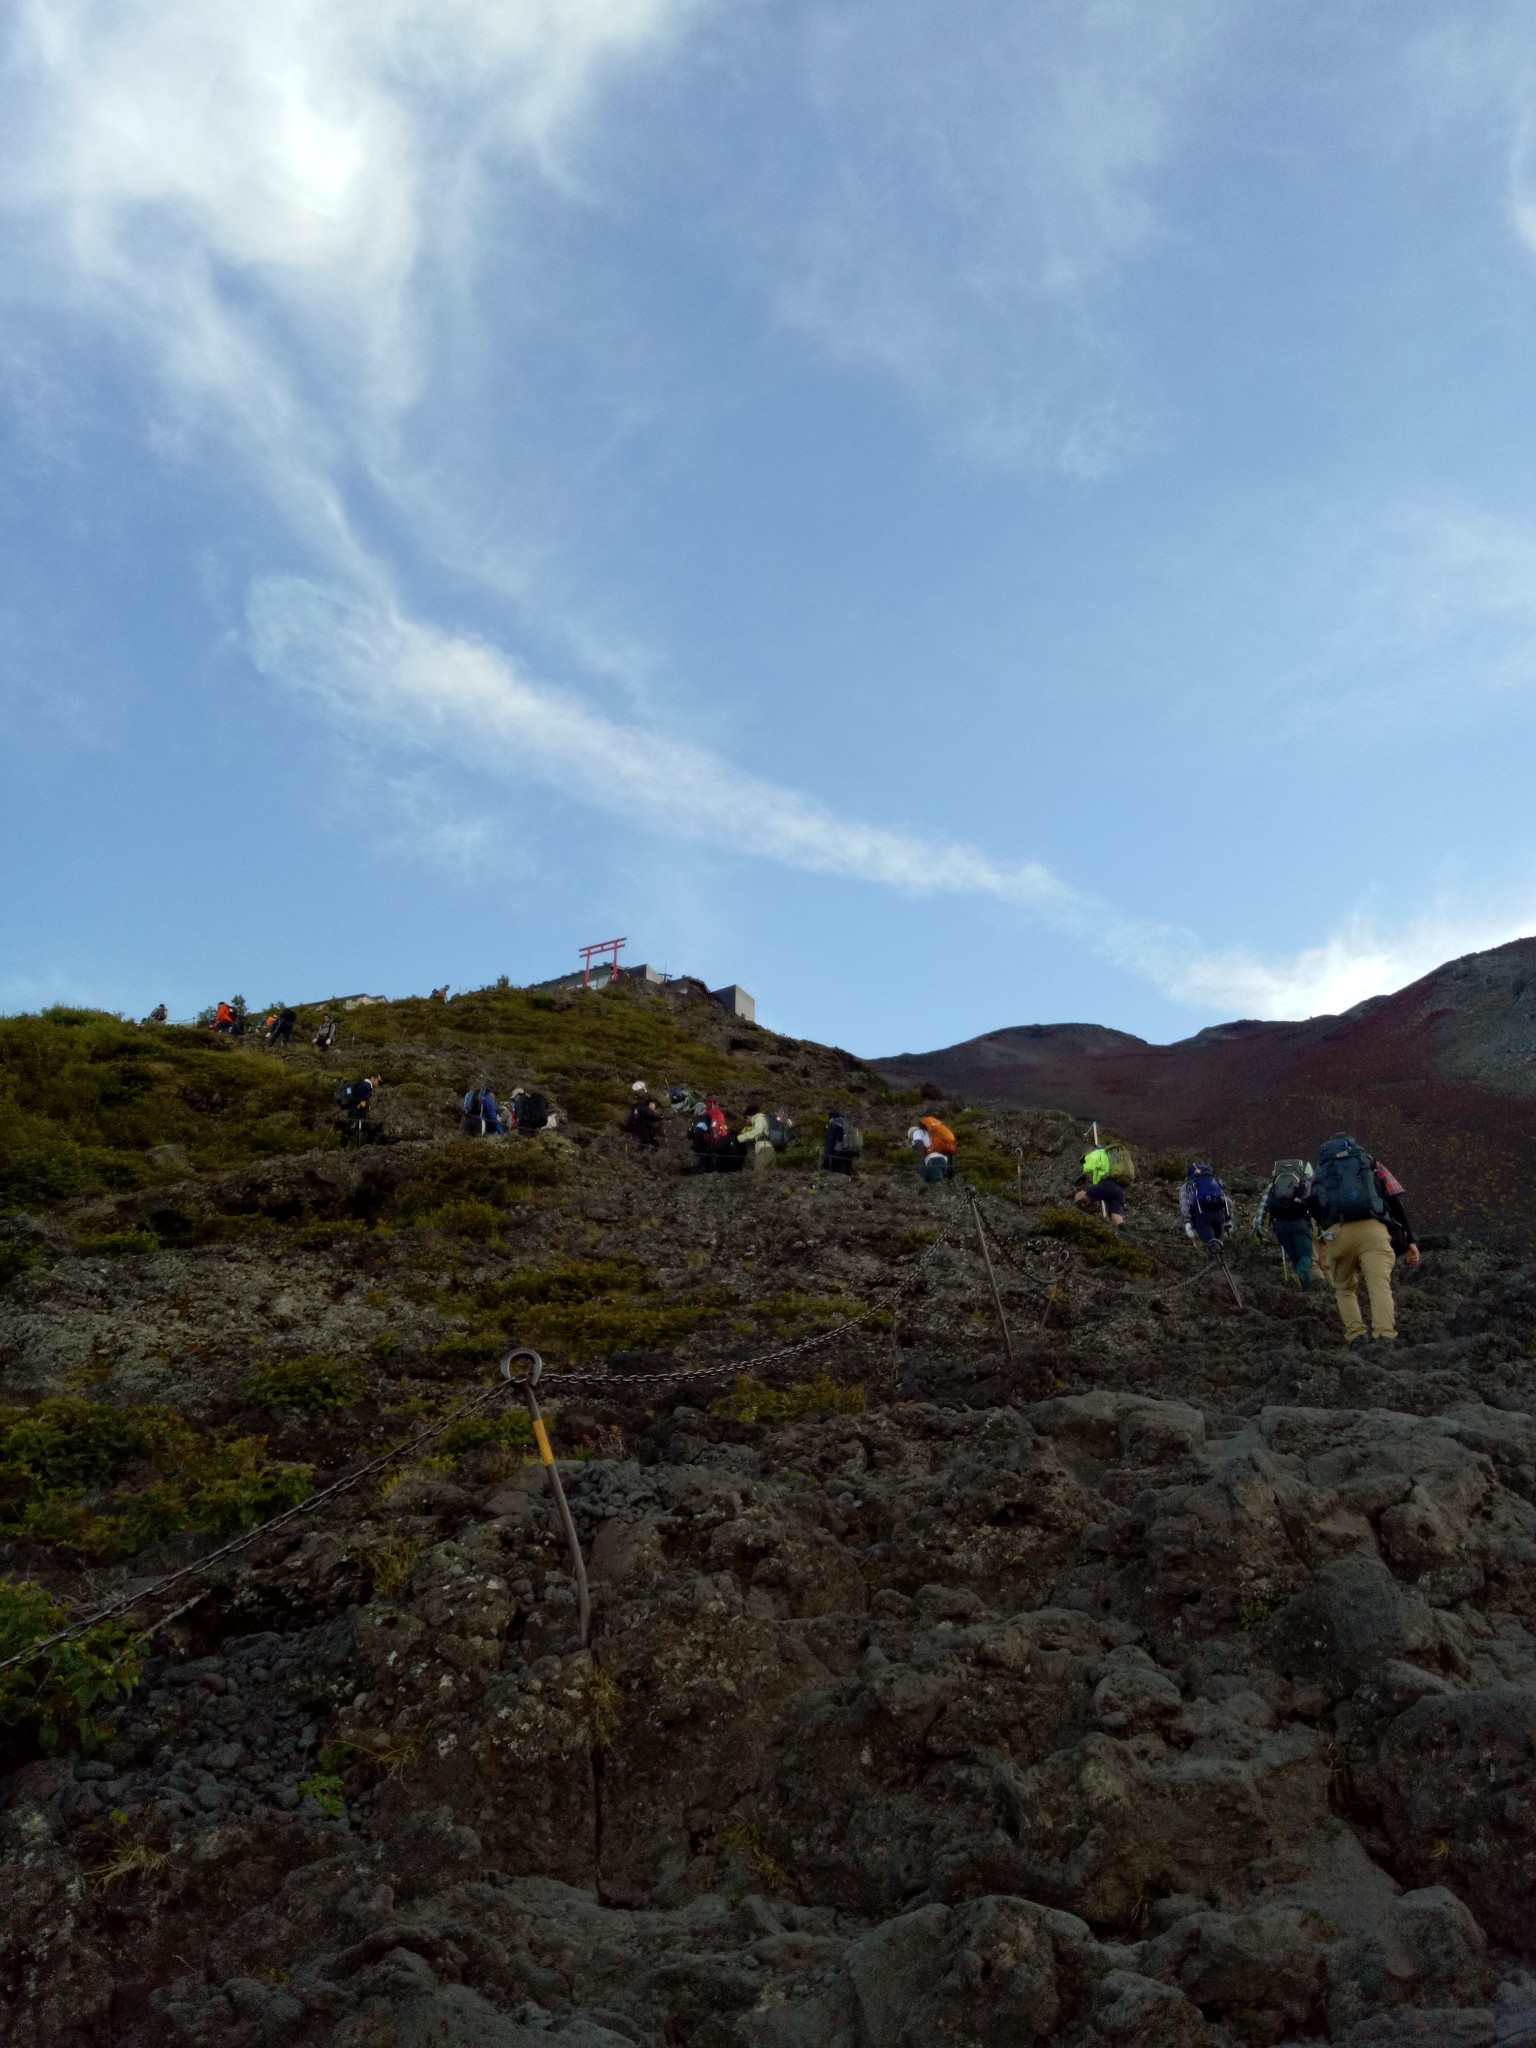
1439,1080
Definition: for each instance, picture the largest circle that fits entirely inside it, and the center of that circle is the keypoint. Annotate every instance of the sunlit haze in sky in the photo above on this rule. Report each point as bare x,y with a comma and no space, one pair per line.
949,515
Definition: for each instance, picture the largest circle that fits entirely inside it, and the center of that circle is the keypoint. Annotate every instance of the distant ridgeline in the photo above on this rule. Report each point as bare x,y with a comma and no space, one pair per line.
1438,1079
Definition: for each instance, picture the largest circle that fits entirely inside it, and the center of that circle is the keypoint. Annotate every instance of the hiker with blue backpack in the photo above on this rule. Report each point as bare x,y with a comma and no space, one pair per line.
1359,1208
1205,1206
1283,1207
481,1115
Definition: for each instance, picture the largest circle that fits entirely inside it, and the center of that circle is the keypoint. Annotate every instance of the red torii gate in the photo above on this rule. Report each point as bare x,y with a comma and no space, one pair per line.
588,953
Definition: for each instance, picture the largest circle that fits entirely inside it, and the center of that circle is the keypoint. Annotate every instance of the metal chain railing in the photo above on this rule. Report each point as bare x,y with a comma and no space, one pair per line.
733,1368
127,1602
1056,1258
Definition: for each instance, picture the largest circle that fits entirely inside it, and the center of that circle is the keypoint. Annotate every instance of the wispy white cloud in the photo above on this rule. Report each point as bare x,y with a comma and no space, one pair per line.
376,671
970,201
271,208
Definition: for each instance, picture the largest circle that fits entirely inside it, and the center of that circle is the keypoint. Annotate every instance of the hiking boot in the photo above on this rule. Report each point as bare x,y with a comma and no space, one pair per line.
1357,1343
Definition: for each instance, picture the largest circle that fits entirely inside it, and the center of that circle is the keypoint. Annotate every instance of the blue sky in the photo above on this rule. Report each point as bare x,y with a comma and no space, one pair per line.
947,515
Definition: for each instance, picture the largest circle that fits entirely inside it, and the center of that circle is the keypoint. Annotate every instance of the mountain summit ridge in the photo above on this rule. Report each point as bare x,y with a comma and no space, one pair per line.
1422,1070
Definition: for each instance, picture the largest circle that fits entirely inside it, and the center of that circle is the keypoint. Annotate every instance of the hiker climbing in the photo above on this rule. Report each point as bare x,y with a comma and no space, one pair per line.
440,995
841,1143
481,1115
1101,1188
684,1101
1205,1206
934,1143
223,1020
355,1099
530,1110
1359,1206
753,1140
159,1014
709,1139
325,1037
643,1125
280,1031
1283,1206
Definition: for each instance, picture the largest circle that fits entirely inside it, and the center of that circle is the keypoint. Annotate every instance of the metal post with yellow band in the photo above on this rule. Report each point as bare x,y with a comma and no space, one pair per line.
547,1455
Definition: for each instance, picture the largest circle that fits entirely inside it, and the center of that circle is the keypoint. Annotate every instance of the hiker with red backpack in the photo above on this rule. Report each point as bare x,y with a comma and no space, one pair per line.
1359,1207
709,1137
1205,1206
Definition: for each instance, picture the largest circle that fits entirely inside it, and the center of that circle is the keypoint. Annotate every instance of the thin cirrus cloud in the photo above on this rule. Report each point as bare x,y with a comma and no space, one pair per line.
267,206
959,226
373,669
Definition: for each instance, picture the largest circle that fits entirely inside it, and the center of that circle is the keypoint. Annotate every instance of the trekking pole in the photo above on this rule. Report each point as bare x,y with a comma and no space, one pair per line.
997,1299
1221,1258
562,1505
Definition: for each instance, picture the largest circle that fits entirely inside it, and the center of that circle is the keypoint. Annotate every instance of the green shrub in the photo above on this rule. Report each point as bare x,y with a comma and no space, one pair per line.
979,1159
574,1281
814,1309
497,1174
106,1481
84,1097
1094,1240
589,1329
468,1217
511,1431
114,1244
54,1697
752,1401
1170,1166
477,1348
317,1383
317,1236
327,1789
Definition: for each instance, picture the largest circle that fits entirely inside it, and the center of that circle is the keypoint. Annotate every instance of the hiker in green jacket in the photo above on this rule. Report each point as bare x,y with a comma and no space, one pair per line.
753,1140
1100,1190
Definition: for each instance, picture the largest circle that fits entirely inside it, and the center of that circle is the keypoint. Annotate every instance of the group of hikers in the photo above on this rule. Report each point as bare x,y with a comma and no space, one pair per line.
525,1112
276,1028
1343,1218
715,1146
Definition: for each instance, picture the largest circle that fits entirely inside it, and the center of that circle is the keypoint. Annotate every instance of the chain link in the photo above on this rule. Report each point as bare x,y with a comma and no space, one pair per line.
128,1601
200,1569
738,1367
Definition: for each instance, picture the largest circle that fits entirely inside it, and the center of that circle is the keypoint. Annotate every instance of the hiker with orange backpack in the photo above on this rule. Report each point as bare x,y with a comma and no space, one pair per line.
934,1142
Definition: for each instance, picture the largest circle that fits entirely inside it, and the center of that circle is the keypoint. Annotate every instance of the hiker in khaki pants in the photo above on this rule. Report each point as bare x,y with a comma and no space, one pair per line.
1359,1206
1356,1248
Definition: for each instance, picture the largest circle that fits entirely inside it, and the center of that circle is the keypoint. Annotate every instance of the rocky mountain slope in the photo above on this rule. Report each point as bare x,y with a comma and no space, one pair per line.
1171,1683
1440,1077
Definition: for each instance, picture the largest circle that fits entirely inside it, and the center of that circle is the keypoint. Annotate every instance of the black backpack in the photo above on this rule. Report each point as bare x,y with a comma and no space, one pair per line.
472,1110
1288,1190
779,1130
532,1112
1346,1186
344,1096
